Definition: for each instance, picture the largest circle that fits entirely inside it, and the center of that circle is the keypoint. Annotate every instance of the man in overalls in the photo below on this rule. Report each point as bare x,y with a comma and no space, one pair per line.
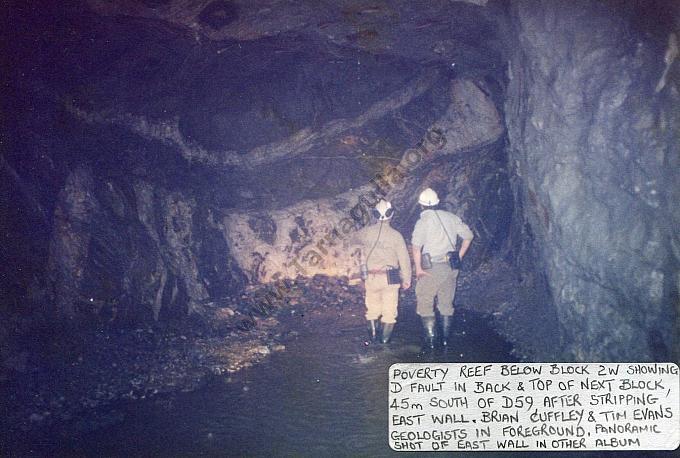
383,250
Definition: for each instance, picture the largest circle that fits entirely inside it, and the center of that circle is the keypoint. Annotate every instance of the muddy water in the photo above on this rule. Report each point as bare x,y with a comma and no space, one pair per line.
326,395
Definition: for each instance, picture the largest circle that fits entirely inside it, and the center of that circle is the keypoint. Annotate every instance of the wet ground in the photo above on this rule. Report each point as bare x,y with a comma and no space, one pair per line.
325,395
101,376
302,382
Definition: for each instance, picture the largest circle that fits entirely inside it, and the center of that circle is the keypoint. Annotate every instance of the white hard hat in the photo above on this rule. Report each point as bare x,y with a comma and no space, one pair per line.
383,210
428,198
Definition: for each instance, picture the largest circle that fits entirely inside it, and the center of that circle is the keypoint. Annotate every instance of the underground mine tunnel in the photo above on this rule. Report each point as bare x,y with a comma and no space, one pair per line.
182,182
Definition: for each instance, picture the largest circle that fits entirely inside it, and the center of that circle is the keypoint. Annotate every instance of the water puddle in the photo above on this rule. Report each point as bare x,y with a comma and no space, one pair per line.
326,395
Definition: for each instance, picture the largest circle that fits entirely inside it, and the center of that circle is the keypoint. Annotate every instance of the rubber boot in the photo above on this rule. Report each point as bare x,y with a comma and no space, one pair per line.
373,331
429,323
446,329
387,332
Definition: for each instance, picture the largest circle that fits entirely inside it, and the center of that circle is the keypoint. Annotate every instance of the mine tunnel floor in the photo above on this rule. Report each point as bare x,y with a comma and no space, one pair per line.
326,394
181,389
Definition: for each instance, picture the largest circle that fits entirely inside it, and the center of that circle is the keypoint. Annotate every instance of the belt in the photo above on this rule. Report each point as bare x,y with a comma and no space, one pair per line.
377,271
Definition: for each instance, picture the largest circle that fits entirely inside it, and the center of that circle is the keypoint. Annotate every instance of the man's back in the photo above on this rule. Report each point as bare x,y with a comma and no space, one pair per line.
384,246
433,230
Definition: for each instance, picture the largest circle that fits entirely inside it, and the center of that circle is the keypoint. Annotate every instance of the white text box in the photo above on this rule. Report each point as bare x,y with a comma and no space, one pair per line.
538,406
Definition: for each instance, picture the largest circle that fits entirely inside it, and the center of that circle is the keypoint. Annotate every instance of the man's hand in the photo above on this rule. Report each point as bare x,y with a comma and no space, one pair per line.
464,248
420,273
405,285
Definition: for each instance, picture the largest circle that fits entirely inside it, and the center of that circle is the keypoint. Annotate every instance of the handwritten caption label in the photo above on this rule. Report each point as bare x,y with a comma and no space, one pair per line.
562,406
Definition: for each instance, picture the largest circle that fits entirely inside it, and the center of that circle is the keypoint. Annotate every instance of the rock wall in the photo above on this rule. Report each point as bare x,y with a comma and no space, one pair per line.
153,167
129,251
314,236
161,171
594,141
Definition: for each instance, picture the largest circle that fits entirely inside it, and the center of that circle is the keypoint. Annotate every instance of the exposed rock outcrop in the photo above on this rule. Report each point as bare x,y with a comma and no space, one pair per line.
300,142
314,237
401,27
596,152
121,252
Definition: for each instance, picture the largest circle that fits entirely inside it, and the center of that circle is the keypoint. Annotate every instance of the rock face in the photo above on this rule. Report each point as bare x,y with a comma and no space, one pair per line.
176,170
595,150
129,250
315,237
164,154
416,29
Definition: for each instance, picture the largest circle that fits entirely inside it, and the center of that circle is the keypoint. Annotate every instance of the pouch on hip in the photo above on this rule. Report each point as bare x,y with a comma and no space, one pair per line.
426,261
454,260
393,276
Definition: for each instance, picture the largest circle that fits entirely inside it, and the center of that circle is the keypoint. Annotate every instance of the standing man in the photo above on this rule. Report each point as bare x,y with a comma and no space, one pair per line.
385,266
434,242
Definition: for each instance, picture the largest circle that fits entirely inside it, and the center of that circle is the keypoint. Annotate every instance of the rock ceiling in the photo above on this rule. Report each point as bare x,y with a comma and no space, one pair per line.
456,31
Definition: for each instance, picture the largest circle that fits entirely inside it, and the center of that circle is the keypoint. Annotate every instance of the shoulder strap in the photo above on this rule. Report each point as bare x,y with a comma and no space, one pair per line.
453,245
374,244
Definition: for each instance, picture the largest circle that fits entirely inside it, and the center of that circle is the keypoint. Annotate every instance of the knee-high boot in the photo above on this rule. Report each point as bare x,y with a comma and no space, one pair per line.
387,329
446,329
373,331
429,323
